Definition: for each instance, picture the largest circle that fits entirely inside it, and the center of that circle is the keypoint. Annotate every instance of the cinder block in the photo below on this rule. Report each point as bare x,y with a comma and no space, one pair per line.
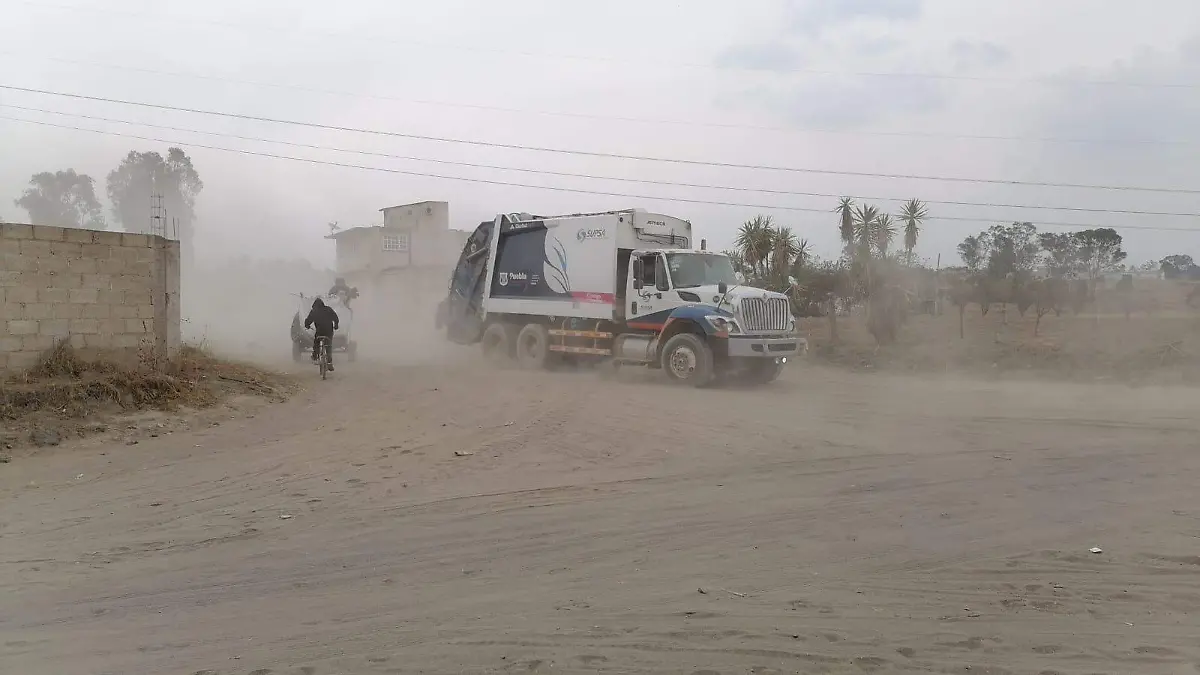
51,265
21,294
9,279
124,282
111,297
111,266
135,240
138,269
66,249
47,233
15,262
39,310
111,326
138,296
97,281
36,343
97,311
77,342
145,311
11,310
98,341
126,341
147,255
84,326
61,280
97,251
124,311
65,310
53,295
22,327
137,326
9,247
54,327
10,344
34,248
83,266
80,236
107,238
129,254
12,231
85,295
18,361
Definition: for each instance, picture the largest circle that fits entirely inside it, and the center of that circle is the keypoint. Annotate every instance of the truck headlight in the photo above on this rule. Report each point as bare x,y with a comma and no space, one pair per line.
723,324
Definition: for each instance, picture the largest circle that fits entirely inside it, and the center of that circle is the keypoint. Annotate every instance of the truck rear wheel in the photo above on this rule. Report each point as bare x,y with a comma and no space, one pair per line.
533,347
498,344
686,359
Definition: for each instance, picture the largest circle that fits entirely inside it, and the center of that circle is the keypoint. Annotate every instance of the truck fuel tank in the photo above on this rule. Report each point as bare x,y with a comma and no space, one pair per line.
632,347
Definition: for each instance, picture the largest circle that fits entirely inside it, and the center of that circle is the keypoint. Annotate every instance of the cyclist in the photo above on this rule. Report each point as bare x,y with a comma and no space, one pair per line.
323,320
340,288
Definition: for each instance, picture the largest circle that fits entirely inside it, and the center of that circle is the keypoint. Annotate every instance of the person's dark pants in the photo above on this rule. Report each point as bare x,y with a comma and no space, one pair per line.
328,343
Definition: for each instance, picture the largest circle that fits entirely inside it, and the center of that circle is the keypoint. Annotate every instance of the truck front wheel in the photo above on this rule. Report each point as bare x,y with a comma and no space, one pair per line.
499,343
763,371
533,347
686,359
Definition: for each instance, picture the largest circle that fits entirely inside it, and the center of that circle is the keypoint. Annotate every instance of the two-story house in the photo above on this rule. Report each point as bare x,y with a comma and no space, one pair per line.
412,253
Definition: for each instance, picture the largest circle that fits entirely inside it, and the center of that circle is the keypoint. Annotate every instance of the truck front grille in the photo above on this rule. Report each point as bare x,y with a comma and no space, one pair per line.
764,314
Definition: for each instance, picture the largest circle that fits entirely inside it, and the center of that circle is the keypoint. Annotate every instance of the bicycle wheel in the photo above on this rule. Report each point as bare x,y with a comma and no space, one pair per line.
324,358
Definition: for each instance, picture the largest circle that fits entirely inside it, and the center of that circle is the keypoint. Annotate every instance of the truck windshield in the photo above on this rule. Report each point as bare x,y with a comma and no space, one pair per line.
689,270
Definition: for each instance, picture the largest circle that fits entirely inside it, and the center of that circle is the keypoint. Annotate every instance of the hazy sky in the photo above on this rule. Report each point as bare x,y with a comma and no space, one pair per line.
839,85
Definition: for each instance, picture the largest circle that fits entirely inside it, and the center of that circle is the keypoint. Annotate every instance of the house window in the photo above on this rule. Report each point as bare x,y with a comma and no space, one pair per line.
398,242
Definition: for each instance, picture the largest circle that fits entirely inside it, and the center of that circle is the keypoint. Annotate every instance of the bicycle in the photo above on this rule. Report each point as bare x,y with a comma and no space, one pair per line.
323,355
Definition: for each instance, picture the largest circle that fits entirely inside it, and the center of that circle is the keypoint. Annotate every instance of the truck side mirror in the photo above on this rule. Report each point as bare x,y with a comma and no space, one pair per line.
638,269
722,288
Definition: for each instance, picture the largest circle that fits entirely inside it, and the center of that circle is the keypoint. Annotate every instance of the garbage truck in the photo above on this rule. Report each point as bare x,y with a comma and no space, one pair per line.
619,287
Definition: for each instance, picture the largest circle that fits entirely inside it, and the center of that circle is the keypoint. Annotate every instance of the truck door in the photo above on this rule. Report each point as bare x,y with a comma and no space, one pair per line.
646,301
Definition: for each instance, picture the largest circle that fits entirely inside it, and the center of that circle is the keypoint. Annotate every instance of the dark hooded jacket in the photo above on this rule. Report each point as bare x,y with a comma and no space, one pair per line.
322,317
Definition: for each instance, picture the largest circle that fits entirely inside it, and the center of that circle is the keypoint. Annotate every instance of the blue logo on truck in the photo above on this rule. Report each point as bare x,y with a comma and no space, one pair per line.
591,233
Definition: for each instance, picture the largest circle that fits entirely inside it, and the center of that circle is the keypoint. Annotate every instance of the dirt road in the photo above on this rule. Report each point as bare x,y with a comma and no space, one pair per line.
832,523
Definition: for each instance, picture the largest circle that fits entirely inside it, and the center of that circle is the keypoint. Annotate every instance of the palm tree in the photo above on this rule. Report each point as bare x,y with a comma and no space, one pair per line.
738,262
912,214
884,233
865,220
803,253
784,249
845,211
755,239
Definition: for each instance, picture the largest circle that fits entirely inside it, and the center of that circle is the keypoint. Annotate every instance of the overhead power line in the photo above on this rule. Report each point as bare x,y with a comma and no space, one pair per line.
622,118
682,200
568,174
259,28
586,153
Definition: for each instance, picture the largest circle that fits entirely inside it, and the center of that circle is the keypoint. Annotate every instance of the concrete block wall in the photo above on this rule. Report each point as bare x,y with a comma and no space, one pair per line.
111,295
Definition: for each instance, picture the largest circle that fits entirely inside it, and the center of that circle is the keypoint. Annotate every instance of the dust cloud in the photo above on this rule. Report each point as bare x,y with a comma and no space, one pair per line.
242,308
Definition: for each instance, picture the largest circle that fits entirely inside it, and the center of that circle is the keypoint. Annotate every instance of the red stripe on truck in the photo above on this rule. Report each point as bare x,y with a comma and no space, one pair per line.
587,296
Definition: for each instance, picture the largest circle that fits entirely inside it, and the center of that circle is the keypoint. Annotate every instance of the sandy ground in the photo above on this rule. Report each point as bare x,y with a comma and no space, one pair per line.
830,523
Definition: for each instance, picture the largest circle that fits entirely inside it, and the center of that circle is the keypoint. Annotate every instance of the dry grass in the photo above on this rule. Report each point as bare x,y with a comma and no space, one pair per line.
1159,346
68,386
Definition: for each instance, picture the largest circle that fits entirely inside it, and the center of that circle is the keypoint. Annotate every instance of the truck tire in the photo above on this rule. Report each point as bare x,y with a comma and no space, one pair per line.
686,359
533,347
762,371
499,344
